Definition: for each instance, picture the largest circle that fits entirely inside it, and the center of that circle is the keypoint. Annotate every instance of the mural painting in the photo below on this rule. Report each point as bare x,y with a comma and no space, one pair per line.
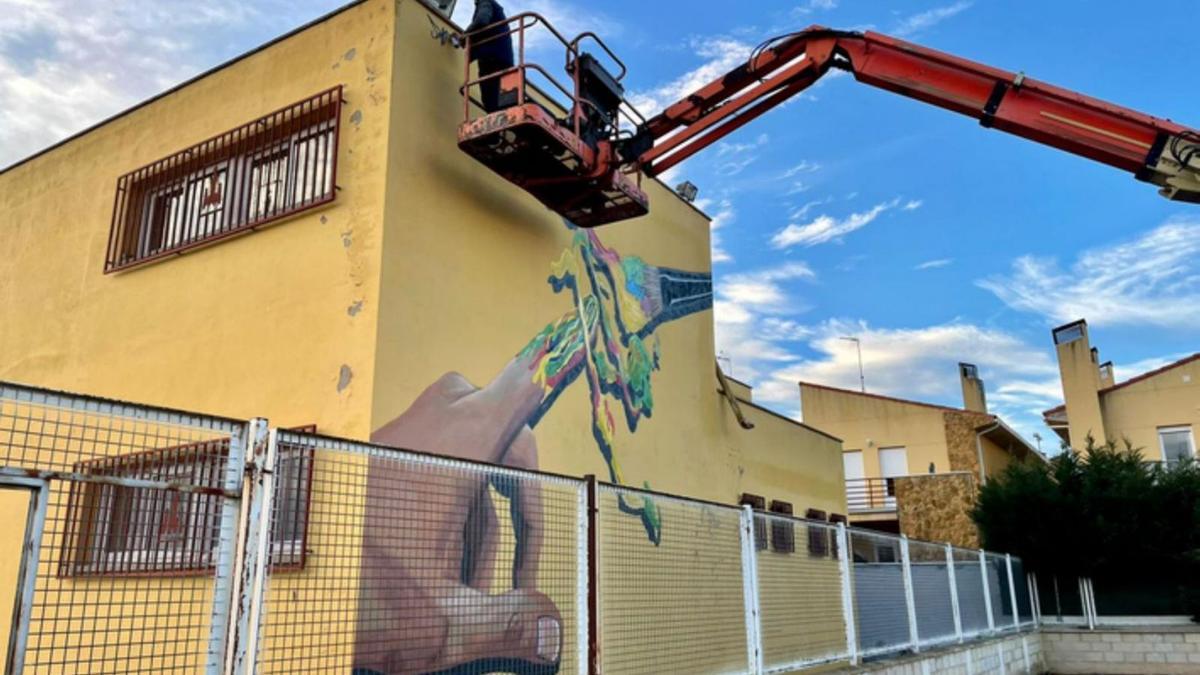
431,536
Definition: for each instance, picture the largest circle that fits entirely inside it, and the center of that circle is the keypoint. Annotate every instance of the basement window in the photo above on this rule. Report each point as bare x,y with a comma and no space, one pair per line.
117,529
783,530
818,537
757,503
268,169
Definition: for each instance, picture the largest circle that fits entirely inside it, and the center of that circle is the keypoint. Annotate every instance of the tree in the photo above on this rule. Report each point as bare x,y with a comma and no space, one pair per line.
1103,513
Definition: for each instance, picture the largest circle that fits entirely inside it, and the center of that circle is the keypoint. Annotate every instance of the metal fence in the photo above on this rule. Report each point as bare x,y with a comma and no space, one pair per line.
160,541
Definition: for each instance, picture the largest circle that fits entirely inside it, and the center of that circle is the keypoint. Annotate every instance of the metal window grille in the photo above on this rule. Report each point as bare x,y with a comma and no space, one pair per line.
757,503
260,172
102,458
818,539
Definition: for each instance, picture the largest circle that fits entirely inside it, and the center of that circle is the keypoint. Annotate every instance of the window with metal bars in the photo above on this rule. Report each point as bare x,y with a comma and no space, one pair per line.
783,532
818,537
757,503
117,529
276,166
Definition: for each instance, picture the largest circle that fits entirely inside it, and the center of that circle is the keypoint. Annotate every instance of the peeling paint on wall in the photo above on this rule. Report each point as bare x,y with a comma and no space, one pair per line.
356,117
344,377
355,308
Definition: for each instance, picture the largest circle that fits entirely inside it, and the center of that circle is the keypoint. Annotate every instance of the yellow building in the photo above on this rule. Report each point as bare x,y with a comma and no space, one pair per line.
914,467
1155,412
295,235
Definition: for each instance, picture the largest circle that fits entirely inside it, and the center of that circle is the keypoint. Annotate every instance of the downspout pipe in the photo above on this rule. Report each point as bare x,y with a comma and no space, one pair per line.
979,448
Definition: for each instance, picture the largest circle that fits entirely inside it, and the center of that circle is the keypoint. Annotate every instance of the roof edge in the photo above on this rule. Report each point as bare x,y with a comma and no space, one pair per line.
891,399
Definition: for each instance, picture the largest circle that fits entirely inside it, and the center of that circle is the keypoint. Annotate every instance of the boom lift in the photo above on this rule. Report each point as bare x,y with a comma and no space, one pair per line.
584,158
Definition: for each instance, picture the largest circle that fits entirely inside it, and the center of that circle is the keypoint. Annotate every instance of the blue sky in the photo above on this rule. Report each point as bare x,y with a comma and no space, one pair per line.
848,211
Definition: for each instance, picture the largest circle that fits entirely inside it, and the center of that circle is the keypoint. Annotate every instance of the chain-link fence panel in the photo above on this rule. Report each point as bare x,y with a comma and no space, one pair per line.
670,585
880,603
800,592
129,569
932,593
1021,587
972,599
385,561
998,589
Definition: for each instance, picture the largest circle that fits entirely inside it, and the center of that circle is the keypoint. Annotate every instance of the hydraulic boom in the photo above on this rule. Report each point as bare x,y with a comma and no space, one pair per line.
604,152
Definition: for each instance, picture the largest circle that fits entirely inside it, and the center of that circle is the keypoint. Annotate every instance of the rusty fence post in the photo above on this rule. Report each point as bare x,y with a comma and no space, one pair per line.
226,574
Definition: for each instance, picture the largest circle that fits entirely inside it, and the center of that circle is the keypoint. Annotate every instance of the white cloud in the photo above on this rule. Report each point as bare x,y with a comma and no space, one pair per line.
921,364
916,23
67,64
814,6
722,213
804,166
1153,280
760,290
912,205
934,264
720,53
827,228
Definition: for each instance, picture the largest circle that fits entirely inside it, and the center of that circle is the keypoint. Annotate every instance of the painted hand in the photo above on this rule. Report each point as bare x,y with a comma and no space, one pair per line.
431,537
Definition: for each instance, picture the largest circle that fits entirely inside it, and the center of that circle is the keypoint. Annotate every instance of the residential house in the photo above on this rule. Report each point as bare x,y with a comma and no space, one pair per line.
915,467
1155,412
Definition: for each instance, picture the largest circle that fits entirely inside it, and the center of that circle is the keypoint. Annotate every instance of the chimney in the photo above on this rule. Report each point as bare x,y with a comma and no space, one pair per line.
1079,368
1107,379
974,398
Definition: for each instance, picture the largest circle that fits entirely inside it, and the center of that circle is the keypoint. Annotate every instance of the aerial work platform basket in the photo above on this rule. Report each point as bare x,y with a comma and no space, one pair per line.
546,137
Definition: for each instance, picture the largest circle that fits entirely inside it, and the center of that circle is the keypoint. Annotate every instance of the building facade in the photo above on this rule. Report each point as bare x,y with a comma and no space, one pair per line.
295,235
914,467
1155,413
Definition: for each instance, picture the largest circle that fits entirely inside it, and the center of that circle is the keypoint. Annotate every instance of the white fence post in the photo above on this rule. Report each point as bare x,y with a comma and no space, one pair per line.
226,584
1089,606
1012,592
987,591
1035,600
750,592
951,574
847,593
909,598
258,496
582,579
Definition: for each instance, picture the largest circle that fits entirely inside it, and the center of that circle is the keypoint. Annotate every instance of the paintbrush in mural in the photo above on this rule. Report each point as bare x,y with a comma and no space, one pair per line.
609,337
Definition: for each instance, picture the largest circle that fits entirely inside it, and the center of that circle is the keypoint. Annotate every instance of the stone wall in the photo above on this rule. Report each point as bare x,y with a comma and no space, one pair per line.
1002,656
960,439
937,507
1123,651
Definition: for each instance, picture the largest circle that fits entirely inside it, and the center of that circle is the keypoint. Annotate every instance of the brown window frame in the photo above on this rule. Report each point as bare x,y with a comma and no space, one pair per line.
834,544
90,548
143,231
757,503
783,530
818,539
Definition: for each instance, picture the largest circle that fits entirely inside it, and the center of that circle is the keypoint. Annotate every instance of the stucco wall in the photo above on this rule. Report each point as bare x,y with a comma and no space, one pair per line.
1135,412
258,325
869,423
938,508
1003,656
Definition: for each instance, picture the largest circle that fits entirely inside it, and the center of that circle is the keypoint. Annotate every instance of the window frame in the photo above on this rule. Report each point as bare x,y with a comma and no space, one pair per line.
1176,428
818,538
132,240
86,548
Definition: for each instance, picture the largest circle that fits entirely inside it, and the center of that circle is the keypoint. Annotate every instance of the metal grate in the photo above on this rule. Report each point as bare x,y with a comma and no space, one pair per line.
133,541
932,594
800,594
676,606
426,564
267,169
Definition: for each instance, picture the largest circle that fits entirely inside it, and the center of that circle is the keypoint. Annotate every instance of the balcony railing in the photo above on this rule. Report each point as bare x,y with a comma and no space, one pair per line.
870,494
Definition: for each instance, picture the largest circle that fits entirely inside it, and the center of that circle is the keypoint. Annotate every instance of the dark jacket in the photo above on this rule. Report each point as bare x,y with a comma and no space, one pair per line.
498,51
